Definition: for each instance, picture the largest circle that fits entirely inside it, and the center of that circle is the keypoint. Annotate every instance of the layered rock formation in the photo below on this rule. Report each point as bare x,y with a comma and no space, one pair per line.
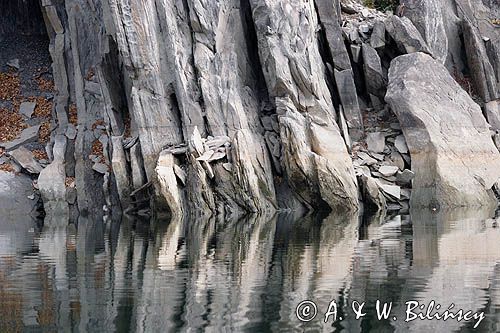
217,99
249,106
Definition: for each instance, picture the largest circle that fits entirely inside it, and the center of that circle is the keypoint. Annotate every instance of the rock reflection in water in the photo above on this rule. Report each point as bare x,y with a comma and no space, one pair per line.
247,275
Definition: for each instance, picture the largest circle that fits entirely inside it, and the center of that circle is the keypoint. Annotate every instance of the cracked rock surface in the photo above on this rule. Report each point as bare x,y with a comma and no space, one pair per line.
230,107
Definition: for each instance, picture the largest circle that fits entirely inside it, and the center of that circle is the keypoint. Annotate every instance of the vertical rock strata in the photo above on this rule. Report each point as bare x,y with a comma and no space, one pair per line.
315,156
202,107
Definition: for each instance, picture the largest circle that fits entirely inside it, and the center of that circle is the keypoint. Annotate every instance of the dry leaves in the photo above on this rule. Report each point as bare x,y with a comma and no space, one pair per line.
7,167
40,154
90,74
11,125
73,114
10,86
45,85
70,181
99,122
128,131
44,132
98,150
43,107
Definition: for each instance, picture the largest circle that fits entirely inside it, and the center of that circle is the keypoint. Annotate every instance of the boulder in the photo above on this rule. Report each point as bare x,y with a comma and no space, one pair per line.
100,168
392,192
493,114
405,177
407,37
371,193
453,156
377,39
14,63
366,159
167,185
396,159
400,144
388,170
375,79
427,16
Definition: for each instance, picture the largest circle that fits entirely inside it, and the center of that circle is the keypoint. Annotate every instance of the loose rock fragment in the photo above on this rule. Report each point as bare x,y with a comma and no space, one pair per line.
400,144
100,167
375,142
388,171
25,158
14,63
405,177
366,159
27,108
197,143
392,191
180,174
371,192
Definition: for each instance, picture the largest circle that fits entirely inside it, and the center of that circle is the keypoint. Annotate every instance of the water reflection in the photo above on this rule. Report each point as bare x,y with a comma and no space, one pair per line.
247,275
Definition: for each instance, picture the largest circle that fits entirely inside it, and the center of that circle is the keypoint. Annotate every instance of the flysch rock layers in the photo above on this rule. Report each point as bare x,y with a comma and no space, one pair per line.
230,107
315,157
146,78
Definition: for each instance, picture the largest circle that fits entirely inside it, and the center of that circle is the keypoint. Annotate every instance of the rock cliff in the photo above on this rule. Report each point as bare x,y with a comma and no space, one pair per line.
202,107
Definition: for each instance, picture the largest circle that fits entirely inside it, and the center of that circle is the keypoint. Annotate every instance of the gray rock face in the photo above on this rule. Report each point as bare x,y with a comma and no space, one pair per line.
406,36
448,173
349,99
239,100
315,155
329,17
493,114
443,22
427,16
482,73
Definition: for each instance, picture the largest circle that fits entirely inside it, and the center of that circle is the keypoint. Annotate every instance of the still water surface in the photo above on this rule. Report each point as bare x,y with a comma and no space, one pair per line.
248,276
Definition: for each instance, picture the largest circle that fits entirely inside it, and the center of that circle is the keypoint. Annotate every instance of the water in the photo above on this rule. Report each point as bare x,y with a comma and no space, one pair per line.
250,275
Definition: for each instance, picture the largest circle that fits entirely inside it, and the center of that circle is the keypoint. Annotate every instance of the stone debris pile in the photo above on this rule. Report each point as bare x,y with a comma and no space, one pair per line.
205,151
383,166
